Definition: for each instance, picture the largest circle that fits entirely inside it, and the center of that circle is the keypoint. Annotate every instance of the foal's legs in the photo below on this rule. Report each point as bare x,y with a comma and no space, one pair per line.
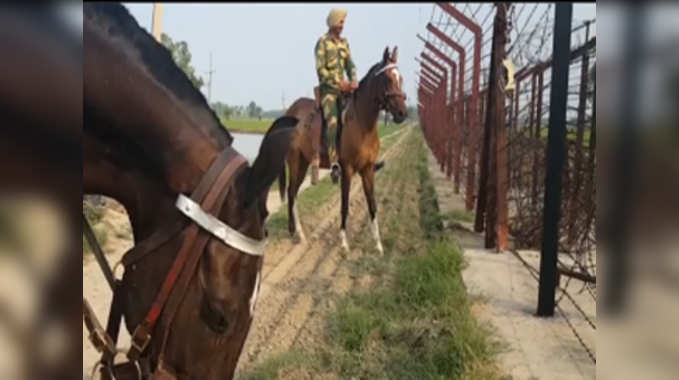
347,173
298,167
368,178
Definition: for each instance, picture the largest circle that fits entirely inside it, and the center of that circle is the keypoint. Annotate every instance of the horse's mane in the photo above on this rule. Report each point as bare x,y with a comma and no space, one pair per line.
153,54
369,74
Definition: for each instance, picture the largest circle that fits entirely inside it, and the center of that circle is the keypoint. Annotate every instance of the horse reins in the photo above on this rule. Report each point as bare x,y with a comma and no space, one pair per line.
206,199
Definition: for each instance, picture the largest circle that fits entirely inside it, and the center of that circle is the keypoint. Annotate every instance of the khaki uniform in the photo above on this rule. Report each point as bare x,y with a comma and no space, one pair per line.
333,59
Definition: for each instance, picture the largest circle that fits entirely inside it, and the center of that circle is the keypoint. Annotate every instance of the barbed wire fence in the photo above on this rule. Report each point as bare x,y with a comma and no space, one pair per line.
499,159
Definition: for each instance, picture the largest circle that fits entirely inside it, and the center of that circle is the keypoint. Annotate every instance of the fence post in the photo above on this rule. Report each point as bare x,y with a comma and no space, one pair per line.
555,158
492,202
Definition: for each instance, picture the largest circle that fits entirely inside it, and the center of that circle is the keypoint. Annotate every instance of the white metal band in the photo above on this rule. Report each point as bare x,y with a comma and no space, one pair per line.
385,68
218,228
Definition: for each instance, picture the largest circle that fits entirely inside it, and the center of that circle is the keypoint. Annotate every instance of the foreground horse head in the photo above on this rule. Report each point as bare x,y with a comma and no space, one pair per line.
150,137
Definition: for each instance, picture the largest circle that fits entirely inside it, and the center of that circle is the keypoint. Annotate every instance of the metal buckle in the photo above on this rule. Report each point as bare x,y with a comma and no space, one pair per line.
101,341
99,338
140,340
115,269
109,366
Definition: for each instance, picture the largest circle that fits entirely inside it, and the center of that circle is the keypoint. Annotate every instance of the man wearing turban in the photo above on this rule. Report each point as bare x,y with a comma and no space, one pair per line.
333,59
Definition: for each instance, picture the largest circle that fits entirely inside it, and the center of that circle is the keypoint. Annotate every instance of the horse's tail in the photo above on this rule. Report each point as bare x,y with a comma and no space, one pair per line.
379,166
281,184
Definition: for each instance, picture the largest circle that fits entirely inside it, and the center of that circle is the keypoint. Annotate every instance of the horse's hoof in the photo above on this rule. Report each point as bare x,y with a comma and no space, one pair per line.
335,173
298,239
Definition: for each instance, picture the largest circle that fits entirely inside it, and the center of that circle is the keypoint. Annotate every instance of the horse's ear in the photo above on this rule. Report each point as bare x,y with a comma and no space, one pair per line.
394,54
385,56
271,158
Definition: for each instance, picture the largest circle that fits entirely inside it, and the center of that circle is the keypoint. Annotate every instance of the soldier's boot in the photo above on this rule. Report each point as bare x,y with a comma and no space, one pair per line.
334,168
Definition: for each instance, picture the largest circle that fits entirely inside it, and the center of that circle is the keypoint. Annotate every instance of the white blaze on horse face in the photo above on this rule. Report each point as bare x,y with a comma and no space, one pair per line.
398,76
253,297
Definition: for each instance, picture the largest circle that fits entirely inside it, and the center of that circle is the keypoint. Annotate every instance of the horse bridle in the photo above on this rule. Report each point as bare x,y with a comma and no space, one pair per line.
206,199
382,101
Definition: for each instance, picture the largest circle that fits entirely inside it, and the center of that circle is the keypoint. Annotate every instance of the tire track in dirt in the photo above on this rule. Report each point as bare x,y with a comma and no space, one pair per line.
295,288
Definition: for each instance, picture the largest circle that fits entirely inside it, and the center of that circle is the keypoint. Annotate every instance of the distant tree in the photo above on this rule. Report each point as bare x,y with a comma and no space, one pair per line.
254,110
182,57
222,110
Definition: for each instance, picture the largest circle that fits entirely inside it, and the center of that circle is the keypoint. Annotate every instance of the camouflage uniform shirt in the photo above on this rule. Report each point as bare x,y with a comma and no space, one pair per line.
333,58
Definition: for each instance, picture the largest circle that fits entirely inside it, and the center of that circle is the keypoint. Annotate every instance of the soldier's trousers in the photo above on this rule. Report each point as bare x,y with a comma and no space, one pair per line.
331,113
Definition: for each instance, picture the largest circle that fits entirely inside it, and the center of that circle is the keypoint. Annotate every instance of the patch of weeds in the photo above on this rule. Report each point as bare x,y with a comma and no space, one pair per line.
272,367
459,215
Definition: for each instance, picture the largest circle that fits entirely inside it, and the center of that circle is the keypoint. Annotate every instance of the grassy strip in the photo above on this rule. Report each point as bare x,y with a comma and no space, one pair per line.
416,322
248,125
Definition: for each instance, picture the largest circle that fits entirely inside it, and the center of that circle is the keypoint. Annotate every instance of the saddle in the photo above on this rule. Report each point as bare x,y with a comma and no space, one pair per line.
319,127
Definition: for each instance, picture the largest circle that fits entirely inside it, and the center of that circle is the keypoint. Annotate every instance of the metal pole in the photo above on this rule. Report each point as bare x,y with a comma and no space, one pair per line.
555,158
209,82
157,21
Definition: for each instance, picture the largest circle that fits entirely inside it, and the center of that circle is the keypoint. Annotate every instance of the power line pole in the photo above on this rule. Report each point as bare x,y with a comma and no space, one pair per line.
283,100
209,81
157,21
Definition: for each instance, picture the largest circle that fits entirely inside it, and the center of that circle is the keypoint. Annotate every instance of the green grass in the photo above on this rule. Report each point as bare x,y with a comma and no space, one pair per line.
285,360
94,215
248,125
100,234
415,321
570,135
459,215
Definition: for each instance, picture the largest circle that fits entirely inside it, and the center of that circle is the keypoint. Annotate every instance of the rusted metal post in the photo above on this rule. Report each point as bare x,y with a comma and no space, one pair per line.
555,158
492,202
474,122
577,167
501,230
442,109
485,162
436,80
464,122
453,130
531,126
538,138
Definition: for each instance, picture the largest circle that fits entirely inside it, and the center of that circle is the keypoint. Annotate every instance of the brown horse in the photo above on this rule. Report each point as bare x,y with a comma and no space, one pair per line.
359,143
40,159
150,136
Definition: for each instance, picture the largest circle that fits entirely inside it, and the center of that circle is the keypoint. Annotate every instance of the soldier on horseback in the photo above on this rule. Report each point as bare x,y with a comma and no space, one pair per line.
333,59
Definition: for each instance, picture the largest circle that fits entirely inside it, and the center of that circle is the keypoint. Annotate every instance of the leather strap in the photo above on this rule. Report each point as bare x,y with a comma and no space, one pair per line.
163,235
142,333
183,283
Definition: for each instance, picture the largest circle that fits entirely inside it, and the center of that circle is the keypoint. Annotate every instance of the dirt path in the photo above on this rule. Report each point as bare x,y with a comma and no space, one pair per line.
295,277
539,348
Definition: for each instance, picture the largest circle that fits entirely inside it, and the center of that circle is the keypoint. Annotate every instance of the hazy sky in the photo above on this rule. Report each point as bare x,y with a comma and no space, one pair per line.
262,51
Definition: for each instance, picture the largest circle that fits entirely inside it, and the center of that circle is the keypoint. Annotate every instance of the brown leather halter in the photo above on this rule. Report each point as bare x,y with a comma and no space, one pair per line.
210,194
382,101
